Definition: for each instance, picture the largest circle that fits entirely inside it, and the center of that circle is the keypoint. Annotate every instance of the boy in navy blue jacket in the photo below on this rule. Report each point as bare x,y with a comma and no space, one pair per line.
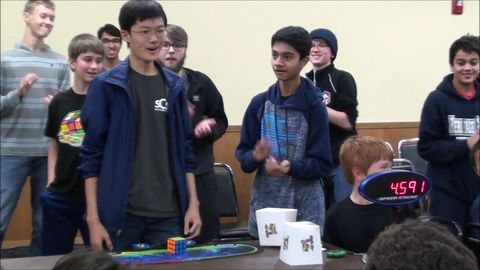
449,128
137,159
285,136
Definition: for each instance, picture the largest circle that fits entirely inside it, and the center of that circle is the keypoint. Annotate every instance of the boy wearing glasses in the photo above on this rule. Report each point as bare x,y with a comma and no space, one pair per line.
136,158
209,123
340,95
111,38
284,136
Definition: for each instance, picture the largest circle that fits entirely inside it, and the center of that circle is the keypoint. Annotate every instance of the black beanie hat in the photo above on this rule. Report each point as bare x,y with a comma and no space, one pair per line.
328,36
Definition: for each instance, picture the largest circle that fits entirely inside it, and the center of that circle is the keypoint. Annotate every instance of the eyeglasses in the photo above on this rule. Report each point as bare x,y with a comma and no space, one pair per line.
318,45
175,46
160,32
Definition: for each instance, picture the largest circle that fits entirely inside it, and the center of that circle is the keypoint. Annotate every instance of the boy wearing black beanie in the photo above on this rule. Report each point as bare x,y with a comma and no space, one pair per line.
340,96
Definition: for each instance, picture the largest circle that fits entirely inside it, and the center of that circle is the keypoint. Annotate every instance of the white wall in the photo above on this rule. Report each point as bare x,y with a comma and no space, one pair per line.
396,50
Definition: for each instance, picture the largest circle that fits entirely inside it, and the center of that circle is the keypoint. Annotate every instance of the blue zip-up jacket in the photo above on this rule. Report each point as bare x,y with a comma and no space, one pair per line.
447,121
108,149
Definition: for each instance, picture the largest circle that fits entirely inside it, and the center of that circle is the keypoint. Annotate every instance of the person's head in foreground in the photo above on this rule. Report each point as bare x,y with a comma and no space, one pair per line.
87,260
417,244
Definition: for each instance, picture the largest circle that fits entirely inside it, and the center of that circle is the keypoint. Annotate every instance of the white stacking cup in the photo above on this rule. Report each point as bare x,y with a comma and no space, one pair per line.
270,224
301,244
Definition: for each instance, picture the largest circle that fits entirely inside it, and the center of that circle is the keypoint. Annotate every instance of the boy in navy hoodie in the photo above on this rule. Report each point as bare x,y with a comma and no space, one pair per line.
449,128
285,136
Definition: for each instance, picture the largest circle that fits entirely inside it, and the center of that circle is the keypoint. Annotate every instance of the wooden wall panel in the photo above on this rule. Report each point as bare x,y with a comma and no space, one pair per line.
20,227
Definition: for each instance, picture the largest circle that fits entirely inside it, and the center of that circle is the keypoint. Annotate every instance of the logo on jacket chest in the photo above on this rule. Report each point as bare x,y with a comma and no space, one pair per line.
327,97
195,98
161,105
463,127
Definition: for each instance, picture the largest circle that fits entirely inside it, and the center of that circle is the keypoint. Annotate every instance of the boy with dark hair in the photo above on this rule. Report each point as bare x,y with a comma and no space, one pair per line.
359,158
31,73
209,123
136,158
63,203
449,128
340,96
87,260
284,136
417,244
112,41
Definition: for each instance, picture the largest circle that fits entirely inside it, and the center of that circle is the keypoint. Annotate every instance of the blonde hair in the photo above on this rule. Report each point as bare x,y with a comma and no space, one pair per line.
31,4
362,152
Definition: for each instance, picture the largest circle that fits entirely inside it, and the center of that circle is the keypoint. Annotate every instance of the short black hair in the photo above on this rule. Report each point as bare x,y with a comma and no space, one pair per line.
418,244
467,43
109,29
295,36
134,10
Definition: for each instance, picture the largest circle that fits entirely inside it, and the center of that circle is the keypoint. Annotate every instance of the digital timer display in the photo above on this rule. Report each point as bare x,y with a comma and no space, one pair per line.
408,187
395,187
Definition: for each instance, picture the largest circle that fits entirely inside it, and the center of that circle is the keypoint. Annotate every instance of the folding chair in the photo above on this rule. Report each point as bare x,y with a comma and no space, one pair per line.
407,148
451,225
403,164
389,146
228,204
471,237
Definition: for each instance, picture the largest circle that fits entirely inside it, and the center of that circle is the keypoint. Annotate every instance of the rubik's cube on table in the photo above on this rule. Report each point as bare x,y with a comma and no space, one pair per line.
176,245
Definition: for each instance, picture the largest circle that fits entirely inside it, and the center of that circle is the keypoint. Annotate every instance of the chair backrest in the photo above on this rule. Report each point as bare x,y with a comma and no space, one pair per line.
407,148
389,145
471,237
403,164
227,195
451,225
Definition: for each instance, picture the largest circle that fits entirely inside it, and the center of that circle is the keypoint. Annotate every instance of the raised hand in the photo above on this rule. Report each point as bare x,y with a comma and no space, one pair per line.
262,150
203,128
26,83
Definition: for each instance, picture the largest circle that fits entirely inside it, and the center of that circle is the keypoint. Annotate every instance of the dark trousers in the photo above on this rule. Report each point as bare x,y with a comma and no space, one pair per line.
207,191
446,206
149,230
62,219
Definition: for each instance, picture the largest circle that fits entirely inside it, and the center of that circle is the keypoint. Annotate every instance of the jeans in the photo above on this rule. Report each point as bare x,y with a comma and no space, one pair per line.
341,187
62,219
14,173
149,230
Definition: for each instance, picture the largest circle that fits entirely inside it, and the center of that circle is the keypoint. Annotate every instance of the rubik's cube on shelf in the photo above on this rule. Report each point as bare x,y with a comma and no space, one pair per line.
176,245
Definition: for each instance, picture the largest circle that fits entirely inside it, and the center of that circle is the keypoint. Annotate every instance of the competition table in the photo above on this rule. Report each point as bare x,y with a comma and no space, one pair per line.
267,259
